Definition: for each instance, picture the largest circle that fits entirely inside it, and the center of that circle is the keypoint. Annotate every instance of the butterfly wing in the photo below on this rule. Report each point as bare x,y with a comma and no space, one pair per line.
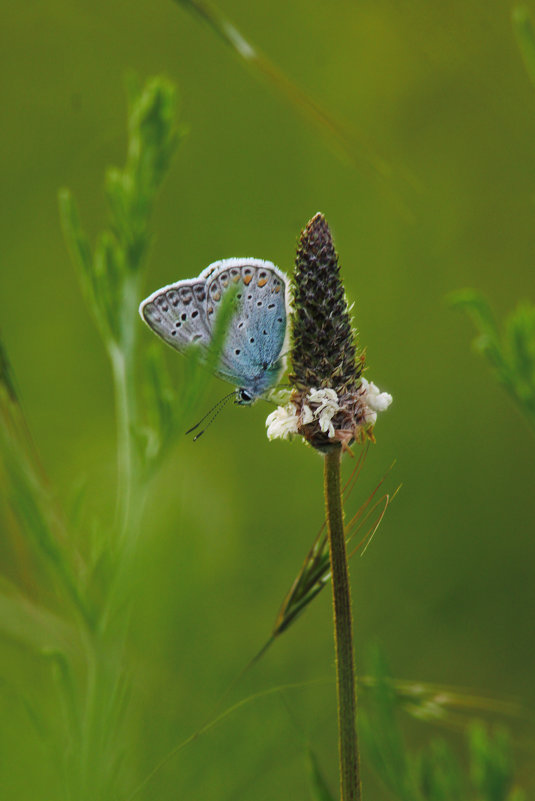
177,313
251,356
184,313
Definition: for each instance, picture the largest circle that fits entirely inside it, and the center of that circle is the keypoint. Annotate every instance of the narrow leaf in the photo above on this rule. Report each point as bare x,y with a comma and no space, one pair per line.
319,787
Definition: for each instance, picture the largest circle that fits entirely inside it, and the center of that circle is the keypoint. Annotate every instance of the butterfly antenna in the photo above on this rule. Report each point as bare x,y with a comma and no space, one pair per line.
214,411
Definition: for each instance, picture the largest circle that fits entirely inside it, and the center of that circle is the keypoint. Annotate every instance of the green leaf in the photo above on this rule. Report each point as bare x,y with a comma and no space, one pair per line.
382,735
31,505
79,249
7,379
491,763
319,787
525,37
512,355
438,773
30,624
201,365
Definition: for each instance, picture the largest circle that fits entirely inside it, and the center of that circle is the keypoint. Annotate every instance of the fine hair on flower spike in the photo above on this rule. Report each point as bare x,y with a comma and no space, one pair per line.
331,405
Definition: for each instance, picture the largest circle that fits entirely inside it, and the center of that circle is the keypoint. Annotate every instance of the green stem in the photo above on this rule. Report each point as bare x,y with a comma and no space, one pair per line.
343,633
122,379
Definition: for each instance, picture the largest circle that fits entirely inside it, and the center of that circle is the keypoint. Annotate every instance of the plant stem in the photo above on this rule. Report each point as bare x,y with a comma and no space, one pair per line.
124,443
343,634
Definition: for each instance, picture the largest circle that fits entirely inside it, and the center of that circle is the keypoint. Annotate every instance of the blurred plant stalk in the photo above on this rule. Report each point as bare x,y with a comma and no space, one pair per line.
111,275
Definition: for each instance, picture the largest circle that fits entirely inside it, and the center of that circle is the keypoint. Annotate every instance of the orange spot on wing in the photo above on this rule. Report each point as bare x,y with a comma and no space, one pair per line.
262,282
277,289
247,279
236,278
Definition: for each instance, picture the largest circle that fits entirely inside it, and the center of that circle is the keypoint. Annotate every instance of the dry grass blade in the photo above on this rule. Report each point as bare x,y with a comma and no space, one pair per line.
315,571
349,145
346,144
29,495
453,707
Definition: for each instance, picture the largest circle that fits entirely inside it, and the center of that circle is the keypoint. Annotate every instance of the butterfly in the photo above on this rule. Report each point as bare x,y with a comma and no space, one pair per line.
184,314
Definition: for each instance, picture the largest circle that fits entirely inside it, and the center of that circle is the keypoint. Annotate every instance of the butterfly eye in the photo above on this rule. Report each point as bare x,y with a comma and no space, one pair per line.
244,397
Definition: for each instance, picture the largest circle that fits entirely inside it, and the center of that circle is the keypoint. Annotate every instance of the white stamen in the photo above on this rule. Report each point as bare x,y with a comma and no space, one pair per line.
376,400
322,405
282,423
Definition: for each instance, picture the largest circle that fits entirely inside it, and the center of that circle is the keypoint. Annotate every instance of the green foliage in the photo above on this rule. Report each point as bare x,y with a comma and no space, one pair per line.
525,35
319,788
511,353
316,569
435,773
82,636
111,274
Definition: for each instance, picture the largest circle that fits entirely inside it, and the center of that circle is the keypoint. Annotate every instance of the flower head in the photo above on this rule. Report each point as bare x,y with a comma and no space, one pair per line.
330,403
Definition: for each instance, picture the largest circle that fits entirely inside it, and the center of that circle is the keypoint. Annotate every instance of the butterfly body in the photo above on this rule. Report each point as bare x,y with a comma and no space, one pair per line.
184,314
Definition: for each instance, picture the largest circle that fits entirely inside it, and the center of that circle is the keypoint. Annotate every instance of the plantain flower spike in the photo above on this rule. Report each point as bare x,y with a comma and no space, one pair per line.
331,404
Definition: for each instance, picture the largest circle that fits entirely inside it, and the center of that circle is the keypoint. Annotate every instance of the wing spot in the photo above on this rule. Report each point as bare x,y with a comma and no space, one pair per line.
196,337
237,351
178,324
211,310
183,316
262,282
249,297
271,305
251,340
194,313
247,278
258,302
264,332
173,333
240,325
279,319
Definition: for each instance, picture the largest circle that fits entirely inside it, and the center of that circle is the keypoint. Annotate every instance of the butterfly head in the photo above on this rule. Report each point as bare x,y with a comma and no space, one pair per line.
244,397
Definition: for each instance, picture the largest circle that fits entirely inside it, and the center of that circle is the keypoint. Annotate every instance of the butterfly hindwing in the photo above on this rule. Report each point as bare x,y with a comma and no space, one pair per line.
177,313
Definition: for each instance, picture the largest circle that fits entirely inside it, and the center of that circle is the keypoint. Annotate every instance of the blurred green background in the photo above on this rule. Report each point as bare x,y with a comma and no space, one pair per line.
437,97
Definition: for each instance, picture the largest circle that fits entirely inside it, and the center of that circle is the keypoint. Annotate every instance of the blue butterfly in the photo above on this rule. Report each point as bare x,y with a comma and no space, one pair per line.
184,313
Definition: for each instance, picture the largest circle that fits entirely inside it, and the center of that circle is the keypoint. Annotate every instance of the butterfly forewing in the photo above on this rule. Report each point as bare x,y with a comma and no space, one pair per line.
256,336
